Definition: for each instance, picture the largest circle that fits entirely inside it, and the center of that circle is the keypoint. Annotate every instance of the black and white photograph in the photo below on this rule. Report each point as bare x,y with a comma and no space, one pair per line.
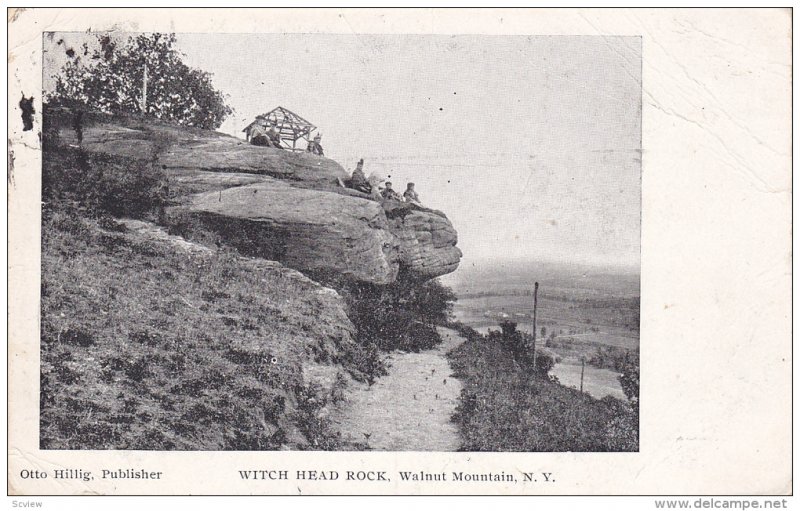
366,252
338,242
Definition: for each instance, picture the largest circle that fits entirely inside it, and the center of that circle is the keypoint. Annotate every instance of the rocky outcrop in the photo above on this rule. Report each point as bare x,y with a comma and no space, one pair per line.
178,148
427,243
304,229
276,204
228,154
324,232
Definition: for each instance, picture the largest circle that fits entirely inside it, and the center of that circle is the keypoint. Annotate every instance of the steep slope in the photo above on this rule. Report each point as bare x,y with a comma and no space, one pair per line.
150,342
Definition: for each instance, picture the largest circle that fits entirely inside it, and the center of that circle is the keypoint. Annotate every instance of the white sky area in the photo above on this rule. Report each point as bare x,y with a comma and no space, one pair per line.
530,145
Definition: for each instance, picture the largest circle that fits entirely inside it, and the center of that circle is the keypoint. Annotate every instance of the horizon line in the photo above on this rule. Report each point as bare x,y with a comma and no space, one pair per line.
540,260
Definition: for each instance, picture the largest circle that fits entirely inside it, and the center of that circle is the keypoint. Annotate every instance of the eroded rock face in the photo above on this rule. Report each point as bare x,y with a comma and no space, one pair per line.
228,154
427,243
276,204
322,231
304,229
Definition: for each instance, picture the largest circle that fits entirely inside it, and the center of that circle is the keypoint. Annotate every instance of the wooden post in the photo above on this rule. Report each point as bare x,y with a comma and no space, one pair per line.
535,293
583,364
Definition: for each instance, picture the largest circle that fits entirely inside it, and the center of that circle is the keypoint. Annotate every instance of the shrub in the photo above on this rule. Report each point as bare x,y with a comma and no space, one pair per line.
614,357
365,359
313,423
103,184
430,301
401,315
545,360
509,339
629,380
502,408
519,347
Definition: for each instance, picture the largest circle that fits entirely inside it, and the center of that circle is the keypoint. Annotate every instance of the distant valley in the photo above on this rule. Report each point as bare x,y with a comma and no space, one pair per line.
584,312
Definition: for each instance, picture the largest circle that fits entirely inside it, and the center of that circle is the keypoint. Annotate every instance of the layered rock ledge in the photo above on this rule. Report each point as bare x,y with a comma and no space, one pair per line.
279,205
304,229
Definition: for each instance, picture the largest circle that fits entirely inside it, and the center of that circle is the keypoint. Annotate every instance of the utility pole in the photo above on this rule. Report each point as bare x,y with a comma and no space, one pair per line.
583,364
535,293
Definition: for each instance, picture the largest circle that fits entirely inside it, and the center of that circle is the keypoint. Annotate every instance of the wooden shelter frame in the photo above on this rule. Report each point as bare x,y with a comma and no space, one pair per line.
291,126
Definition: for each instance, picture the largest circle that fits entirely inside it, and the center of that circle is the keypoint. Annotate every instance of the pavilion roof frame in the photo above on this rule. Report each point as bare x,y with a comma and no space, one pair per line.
291,126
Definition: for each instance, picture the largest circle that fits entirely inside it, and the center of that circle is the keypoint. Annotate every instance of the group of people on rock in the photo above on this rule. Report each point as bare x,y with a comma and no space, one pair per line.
410,195
358,181
264,133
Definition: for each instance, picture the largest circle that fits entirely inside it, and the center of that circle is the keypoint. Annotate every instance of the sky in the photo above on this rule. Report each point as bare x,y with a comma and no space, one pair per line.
530,145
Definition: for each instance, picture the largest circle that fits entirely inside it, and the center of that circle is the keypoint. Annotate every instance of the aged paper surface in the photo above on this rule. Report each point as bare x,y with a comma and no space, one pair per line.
715,342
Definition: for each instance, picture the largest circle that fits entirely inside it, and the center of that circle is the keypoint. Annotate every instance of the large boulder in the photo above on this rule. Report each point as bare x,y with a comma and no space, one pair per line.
228,154
321,231
427,243
312,231
273,203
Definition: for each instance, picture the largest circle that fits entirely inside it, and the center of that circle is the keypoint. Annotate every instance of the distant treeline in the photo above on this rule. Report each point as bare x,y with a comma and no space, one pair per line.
615,358
626,302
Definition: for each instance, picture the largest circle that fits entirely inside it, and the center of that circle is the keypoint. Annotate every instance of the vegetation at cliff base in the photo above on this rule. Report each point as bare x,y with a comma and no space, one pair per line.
506,406
401,315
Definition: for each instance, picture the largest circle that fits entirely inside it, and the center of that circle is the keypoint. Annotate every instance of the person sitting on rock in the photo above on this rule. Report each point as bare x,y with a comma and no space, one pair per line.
411,195
375,181
314,147
274,135
389,193
358,181
258,134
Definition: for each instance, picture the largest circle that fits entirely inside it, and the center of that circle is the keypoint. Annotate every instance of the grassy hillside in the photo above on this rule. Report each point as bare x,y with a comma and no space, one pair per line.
145,346
151,344
503,407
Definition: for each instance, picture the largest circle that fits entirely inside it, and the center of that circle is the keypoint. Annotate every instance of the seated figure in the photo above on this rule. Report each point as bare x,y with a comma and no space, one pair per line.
389,193
314,147
257,135
411,195
274,135
358,181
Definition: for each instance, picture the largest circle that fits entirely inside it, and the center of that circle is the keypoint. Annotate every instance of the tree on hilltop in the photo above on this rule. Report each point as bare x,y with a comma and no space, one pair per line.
111,78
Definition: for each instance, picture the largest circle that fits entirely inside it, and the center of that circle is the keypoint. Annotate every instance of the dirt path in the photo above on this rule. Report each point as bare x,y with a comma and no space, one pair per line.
410,408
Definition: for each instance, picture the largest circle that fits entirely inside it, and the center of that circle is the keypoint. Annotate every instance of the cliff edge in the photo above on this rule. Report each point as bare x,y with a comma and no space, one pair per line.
276,204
